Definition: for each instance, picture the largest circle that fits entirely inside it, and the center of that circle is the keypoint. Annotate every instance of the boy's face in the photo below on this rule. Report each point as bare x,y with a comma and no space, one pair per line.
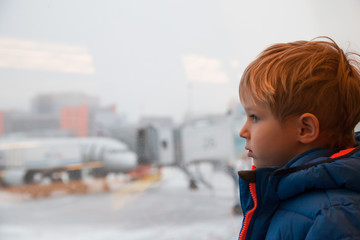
269,142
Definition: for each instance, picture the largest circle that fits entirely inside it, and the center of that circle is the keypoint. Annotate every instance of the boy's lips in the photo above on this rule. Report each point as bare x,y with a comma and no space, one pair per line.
250,153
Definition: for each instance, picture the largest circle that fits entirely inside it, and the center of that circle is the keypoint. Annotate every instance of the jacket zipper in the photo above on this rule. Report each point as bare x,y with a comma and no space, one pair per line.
250,213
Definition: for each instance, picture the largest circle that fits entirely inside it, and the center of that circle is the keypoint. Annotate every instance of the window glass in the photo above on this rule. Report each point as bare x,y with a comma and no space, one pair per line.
121,119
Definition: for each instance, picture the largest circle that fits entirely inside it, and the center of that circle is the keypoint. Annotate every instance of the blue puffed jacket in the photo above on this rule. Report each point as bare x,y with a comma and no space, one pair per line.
315,196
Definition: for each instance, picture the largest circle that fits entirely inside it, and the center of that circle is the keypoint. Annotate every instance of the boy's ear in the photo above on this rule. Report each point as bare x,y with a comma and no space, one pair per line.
309,128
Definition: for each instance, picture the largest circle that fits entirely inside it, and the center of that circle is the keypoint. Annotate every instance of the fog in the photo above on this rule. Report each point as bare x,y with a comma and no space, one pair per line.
153,58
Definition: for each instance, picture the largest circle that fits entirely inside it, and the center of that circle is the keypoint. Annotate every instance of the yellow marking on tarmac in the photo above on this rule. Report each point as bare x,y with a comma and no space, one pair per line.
78,166
93,164
134,190
74,166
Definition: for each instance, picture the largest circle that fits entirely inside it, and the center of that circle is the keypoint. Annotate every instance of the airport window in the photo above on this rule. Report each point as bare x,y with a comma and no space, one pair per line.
124,116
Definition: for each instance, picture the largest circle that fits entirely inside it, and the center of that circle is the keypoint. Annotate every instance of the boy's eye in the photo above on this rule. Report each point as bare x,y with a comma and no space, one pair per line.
254,118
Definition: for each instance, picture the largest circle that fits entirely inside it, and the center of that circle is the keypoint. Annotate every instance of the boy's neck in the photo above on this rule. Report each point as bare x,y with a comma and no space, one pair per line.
327,140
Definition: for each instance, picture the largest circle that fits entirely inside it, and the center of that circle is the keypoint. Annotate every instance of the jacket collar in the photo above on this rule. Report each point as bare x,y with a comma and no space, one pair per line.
312,170
309,170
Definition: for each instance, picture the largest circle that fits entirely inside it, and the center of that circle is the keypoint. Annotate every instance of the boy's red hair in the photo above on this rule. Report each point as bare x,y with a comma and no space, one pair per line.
308,76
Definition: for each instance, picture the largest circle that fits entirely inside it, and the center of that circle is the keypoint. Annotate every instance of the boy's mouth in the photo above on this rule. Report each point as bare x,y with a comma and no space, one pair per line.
250,153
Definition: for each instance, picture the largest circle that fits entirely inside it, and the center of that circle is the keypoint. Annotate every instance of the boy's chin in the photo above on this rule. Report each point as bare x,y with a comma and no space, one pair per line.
260,164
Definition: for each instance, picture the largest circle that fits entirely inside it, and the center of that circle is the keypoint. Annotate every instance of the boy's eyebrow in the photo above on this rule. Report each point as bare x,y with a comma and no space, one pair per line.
247,109
254,110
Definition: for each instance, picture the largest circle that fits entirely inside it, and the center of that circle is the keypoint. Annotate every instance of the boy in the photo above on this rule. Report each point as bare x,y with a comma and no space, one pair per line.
302,101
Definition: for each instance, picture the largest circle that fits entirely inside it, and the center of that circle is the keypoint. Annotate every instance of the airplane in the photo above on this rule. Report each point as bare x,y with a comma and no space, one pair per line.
31,160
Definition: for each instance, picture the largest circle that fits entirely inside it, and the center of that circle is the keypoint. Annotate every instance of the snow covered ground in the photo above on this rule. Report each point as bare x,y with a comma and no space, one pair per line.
161,210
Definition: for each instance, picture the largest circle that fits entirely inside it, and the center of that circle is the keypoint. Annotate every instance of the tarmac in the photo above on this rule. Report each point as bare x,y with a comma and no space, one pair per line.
160,207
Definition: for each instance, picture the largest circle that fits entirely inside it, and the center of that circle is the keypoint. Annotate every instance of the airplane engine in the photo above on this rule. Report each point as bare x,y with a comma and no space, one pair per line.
13,177
120,161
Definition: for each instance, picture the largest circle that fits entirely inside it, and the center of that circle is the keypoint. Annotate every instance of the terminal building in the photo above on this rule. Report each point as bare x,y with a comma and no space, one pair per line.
64,114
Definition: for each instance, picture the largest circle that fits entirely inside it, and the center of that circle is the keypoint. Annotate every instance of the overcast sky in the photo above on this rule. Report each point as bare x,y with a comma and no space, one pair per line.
153,58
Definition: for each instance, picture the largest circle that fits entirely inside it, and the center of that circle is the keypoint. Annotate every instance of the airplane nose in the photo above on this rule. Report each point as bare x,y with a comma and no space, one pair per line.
124,162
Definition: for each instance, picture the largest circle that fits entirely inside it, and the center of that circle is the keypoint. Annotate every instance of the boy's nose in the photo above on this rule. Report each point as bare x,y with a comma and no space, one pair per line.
244,133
